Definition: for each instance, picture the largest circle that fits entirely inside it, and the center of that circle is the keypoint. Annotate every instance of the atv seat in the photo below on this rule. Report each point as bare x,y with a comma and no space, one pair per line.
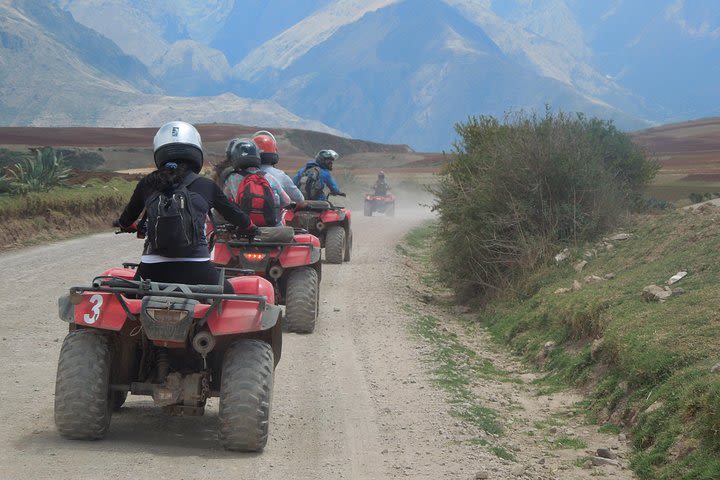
275,234
316,205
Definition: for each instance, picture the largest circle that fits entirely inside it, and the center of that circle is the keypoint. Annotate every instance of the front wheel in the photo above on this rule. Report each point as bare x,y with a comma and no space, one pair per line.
335,244
82,394
245,395
301,300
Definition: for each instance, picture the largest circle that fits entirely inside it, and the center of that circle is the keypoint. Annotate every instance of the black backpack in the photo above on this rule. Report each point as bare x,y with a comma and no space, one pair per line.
172,226
309,183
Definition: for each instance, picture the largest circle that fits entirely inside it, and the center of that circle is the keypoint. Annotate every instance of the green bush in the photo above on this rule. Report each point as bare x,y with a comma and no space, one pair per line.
81,160
515,190
36,174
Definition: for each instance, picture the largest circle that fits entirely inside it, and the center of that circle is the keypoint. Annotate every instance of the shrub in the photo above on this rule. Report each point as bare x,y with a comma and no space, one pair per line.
81,160
514,191
37,174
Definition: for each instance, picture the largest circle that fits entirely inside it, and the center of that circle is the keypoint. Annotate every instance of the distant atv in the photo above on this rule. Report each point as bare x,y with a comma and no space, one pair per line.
328,222
288,259
180,344
379,203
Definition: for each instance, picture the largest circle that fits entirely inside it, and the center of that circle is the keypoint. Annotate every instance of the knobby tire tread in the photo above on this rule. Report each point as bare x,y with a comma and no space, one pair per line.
246,395
82,400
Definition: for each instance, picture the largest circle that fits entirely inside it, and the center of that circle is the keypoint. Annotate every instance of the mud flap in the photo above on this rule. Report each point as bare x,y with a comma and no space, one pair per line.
270,316
66,310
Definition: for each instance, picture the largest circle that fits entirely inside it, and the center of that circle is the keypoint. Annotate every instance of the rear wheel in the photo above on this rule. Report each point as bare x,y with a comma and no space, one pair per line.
335,244
301,300
368,209
83,400
245,395
390,209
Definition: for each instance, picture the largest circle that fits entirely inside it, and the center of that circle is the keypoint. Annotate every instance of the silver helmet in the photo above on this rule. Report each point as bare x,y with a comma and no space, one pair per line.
178,141
325,158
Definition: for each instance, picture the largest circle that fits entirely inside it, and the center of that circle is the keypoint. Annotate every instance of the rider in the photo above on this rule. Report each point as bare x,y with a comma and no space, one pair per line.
178,156
381,187
269,157
312,178
243,157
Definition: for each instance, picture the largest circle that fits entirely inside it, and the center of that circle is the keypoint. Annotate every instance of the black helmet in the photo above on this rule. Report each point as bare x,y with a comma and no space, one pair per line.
229,147
325,158
244,154
178,141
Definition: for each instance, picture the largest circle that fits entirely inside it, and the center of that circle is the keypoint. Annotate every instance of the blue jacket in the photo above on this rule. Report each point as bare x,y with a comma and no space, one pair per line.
326,179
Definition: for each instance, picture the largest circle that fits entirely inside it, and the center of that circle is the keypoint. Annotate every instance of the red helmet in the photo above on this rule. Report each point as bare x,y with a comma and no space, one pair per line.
268,147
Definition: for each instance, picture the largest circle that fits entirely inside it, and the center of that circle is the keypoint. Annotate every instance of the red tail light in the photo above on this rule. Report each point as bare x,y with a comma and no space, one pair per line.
254,256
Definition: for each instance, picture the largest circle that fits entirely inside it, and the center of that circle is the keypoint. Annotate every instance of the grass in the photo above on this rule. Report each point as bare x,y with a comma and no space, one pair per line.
633,354
565,442
647,366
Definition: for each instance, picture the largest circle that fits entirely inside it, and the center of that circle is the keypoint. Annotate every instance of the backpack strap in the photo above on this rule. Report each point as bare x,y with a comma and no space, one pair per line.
189,178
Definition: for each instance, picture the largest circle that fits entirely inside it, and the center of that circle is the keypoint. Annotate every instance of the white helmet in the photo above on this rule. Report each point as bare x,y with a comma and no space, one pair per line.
178,141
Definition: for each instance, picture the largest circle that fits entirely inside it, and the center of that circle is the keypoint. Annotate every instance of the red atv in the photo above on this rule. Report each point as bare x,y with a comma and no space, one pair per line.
290,260
180,344
379,203
330,223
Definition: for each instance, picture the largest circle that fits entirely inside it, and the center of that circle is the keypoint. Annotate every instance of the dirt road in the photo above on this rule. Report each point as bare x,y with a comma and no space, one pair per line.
351,401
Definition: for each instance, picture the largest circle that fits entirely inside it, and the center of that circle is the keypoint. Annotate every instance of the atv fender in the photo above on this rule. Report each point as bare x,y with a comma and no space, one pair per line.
97,310
242,316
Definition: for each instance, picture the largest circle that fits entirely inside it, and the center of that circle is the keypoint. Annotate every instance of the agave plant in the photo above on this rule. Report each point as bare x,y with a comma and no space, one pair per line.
39,173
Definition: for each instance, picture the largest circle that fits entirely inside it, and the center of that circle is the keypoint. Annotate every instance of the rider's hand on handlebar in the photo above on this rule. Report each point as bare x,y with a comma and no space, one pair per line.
132,228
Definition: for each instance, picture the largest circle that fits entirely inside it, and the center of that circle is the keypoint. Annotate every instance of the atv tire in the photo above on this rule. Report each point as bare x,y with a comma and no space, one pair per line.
335,244
245,395
390,210
368,211
348,247
301,300
82,394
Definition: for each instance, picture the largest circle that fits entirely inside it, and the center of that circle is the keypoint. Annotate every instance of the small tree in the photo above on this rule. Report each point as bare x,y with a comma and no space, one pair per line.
39,173
516,190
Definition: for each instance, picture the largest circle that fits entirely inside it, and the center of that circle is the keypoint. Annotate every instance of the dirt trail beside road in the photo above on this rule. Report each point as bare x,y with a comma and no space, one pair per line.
351,401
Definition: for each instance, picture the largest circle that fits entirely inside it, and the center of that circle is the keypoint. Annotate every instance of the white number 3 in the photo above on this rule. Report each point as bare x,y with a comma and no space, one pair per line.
98,301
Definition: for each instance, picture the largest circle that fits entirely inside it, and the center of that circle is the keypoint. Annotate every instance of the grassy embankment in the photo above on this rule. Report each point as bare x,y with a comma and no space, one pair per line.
647,367
62,212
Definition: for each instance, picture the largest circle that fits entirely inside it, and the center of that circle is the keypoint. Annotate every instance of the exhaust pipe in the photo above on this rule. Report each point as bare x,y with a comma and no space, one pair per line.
203,342
275,272
320,225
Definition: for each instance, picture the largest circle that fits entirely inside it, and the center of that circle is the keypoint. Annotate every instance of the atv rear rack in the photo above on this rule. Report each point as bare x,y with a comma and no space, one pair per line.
145,288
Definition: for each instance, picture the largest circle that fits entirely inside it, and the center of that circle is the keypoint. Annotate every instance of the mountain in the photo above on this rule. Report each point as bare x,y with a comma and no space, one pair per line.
407,70
363,78
57,72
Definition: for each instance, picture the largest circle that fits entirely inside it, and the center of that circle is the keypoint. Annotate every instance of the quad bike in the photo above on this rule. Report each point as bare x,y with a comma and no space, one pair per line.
330,223
379,203
290,260
180,344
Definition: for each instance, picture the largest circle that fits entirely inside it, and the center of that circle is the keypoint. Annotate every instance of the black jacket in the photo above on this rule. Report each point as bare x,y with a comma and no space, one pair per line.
210,196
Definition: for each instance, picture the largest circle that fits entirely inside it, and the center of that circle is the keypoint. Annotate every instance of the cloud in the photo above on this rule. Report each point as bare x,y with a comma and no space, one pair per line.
612,10
675,14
